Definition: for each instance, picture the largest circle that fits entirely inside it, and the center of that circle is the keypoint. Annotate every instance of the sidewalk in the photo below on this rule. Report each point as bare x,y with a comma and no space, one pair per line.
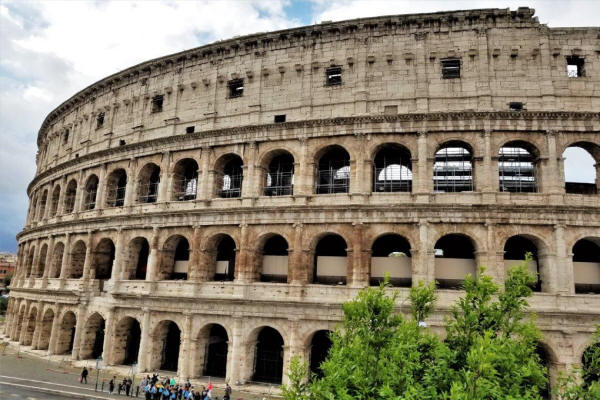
25,368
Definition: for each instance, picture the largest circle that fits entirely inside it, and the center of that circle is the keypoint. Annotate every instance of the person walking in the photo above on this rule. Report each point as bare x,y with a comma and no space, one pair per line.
227,395
83,376
128,384
111,385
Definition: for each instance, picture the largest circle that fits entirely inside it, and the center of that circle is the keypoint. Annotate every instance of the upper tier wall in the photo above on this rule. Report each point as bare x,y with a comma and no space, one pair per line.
389,65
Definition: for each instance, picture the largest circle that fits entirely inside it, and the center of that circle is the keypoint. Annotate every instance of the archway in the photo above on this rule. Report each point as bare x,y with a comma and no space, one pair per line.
92,341
29,262
54,201
136,264
268,363
274,266
116,186
18,324
331,260
319,349
517,167
225,259
515,249
333,171
57,258
66,334
126,343
229,176
104,257
175,259
392,169
77,260
454,259
70,194
390,255
30,327
91,189
148,182
165,351
185,180
46,330
42,205
453,168
279,176
586,265
545,360
38,271
581,161
213,348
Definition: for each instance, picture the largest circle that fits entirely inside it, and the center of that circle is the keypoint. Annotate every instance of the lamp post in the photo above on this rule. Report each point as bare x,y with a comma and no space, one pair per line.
98,367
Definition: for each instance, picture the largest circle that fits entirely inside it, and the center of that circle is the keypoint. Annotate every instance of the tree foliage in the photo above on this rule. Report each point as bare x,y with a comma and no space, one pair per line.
584,383
489,352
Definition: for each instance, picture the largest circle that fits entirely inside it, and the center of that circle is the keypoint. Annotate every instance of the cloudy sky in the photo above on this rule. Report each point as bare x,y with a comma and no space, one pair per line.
49,50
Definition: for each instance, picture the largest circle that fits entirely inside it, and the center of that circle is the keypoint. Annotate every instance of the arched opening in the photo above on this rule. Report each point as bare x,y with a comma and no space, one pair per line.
589,363
454,259
229,176
331,260
77,260
390,255
268,363
333,171
213,343
137,261
127,341
185,180
319,349
580,166
515,249
46,330
544,357
57,258
586,265
29,263
279,177
116,186
453,168
517,167
18,324
54,201
148,182
91,189
38,272
165,354
392,169
93,338
275,260
70,194
66,334
30,327
104,257
42,206
225,259
175,259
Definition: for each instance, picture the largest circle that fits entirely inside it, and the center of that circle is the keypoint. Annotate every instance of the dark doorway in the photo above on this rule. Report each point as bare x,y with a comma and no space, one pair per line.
516,248
170,348
319,349
98,341
216,352
132,344
268,360
545,392
142,264
226,252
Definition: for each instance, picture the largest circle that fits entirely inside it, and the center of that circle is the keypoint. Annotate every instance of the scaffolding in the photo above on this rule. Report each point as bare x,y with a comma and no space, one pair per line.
453,170
148,192
116,196
516,169
186,189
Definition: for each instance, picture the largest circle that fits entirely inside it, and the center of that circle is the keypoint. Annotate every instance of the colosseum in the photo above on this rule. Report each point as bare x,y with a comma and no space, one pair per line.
208,212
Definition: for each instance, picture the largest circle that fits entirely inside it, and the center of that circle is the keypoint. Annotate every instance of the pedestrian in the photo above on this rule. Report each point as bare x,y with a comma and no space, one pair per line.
227,395
128,384
83,376
111,385
147,390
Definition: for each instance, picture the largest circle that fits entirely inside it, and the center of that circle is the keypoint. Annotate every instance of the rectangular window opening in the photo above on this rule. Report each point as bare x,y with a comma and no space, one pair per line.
451,68
66,137
515,106
236,88
334,76
100,120
575,66
157,103
121,142
190,129
279,118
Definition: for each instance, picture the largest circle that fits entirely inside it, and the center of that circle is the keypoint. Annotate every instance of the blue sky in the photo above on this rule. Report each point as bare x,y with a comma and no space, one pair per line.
49,50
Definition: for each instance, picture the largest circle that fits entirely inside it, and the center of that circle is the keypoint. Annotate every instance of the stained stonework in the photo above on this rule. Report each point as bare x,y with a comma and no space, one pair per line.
182,224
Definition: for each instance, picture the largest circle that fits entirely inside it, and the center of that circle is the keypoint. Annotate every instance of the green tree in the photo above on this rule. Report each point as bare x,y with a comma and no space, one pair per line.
584,383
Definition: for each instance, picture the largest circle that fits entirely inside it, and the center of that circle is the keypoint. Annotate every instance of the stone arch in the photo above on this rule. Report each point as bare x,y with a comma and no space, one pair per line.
391,168
272,258
590,372
38,272
30,323
221,251
103,259
116,187
66,333
212,350
57,258
390,255
136,263
454,258
166,346
453,167
175,258
586,265
78,251
185,180
70,196
54,201
318,349
229,175
267,355
515,249
46,329
330,263
518,167
43,200
581,178
147,184
332,172
126,341
29,262
548,359
277,169
90,192
92,337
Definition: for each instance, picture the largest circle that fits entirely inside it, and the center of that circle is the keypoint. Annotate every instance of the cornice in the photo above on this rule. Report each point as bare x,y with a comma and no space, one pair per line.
315,123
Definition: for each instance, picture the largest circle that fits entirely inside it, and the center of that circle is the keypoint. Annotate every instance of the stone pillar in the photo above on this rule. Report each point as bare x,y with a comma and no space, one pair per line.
185,350
293,348
117,270
486,182
358,179
548,270
304,171
80,194
205,177
244,269
66,257
495,256
552,181
107,346
154,256
236,354
60,209
249,186
422,174
54,333
169,186
195,268
131,187
423,262
88,272
358,276
297,268
145,340
564,263
36,260
48,262
164,180
78,328
100,197
38,328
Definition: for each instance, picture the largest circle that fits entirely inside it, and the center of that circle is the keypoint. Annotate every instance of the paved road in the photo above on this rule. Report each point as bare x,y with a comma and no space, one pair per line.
14,392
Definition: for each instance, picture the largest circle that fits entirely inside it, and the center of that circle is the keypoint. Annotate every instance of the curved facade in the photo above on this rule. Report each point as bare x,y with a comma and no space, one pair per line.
215,207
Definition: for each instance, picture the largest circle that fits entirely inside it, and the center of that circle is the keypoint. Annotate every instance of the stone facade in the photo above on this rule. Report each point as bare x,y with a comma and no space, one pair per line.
157,202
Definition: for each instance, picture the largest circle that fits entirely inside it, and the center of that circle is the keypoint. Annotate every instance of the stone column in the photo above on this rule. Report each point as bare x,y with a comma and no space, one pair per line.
48,262
131,187
38,328
66,257
78,328
304,171
154,256
293,348
36,260
552,181
249,187
236,355
88,272
205,176
423,263
244,269
195,266
54,333
60,209
357,276
164,179
185,351
145,342
117,270
107,350
100,200
565,278
495,263
486,175
79,194
297,273
422,175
